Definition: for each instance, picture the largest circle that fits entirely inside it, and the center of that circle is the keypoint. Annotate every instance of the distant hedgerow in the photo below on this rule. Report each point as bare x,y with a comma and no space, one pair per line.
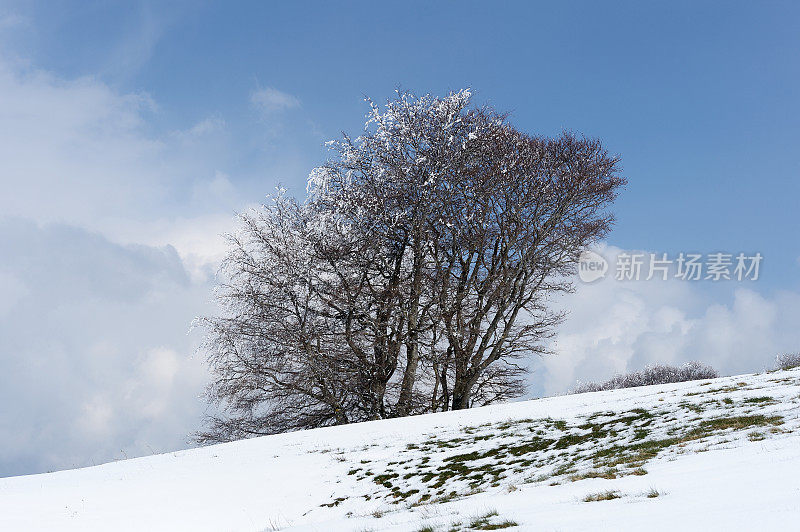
788,361
656,374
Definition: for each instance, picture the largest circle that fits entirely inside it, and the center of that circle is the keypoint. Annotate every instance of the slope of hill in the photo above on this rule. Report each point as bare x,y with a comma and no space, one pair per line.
722,454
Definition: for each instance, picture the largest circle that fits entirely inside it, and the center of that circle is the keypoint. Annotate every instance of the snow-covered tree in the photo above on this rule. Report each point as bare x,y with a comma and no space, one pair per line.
414,278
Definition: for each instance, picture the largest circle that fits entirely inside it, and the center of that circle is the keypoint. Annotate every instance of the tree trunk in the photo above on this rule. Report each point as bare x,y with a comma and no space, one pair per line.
461,391
460,399
412,342
409,376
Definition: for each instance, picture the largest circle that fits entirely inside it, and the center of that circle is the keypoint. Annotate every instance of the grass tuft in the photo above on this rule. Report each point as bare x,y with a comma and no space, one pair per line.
602,496
485,522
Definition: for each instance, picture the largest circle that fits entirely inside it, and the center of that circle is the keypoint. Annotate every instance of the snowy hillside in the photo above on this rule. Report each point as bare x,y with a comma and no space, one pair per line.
722,454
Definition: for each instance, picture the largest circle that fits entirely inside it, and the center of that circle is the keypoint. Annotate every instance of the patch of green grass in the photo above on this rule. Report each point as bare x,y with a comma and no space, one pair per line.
759,400
642,451
608,474
602,445
564,470
483,519
383,479
725,388
633,454
484,522
698,409
571,440
708,426
498,526
531,446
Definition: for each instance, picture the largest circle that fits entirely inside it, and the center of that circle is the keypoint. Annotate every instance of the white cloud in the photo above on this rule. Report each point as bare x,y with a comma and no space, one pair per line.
11,20
617,326
12,291
270,100
202,128
96,360
79,152
110,233
136,43
199,240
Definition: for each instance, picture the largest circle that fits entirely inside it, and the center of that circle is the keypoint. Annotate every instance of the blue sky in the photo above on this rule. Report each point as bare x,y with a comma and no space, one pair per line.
698,97
133,131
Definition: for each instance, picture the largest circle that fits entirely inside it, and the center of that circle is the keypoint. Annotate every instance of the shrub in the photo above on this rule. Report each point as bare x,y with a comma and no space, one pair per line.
656,374
788,361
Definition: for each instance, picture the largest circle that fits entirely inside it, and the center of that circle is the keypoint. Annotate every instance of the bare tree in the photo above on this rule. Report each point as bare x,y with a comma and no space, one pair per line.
393,184
518,220
415,278
278,354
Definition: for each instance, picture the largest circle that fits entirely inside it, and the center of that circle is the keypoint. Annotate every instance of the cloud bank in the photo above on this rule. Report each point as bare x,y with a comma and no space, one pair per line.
94,350
109,236
617,326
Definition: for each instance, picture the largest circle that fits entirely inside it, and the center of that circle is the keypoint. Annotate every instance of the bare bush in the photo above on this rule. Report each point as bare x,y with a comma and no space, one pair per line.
787,361
655,374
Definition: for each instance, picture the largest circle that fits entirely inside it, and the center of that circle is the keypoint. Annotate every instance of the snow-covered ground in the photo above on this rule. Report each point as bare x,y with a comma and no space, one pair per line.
707,455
